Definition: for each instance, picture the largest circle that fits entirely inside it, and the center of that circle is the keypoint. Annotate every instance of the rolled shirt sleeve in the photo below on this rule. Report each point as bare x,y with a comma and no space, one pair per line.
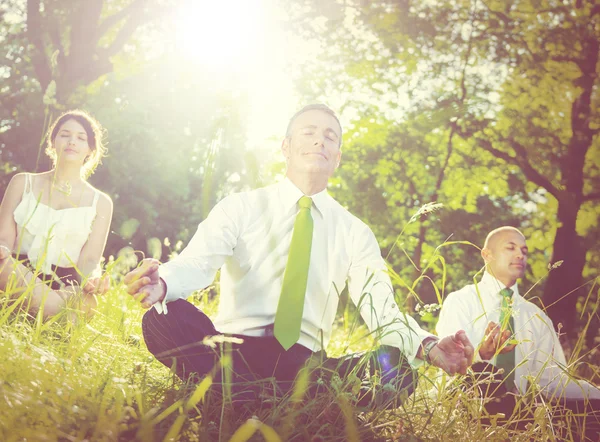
371,291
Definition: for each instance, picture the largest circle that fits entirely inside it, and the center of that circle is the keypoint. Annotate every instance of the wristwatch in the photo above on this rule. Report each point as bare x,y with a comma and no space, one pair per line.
427,347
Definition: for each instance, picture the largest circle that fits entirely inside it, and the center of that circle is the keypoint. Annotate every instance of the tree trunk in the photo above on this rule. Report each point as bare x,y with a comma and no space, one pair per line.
563,285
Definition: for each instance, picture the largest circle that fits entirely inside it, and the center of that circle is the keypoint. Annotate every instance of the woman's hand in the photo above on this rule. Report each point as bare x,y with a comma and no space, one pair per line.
97,286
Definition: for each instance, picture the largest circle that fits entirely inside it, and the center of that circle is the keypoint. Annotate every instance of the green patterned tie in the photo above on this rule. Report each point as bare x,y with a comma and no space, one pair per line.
507,322
291,302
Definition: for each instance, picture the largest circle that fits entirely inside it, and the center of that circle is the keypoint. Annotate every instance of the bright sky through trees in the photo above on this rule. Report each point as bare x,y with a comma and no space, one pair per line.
243,43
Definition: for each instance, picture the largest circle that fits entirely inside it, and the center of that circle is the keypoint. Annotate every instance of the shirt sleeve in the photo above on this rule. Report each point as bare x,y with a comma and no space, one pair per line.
554,377
371,291
196,266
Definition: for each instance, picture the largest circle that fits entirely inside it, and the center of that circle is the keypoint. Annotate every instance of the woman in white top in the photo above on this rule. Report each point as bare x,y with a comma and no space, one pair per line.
54,225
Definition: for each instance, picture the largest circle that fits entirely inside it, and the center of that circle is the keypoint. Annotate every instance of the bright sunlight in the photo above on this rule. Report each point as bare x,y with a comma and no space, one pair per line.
242,42
221,34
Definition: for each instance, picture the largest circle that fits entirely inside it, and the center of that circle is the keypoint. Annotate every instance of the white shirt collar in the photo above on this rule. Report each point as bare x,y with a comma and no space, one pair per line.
290,195
491,286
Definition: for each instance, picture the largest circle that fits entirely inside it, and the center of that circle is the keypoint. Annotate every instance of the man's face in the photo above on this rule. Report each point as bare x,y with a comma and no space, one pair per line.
506,256
314,144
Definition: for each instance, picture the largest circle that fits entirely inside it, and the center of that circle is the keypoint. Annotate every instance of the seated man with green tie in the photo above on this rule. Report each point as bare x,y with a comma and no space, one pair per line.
285,253
516,343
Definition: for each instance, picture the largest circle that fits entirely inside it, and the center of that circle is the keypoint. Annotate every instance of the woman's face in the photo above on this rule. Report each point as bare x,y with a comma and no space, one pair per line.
71,143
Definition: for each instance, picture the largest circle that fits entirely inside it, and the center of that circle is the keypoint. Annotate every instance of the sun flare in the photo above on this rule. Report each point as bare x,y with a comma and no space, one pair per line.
222,34
244,45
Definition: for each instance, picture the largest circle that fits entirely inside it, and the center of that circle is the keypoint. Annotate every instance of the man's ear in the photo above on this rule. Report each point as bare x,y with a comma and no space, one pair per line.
339,157
285,148
486,254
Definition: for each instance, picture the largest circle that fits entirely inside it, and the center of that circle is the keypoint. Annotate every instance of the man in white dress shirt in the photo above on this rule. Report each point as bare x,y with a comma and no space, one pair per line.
537,355
247,236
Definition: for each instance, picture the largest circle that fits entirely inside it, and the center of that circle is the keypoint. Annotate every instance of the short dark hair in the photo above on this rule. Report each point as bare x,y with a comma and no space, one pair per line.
309,107
94,132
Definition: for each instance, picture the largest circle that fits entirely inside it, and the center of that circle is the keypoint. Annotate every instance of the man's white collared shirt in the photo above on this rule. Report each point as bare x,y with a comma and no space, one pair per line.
538,353
247,235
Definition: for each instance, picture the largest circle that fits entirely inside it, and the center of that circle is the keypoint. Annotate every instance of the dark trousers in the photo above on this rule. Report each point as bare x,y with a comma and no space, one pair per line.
582,417
186,340
59,277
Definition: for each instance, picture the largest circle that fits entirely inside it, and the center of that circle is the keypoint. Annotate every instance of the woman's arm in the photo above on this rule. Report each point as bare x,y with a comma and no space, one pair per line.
91,253
8,227
83,299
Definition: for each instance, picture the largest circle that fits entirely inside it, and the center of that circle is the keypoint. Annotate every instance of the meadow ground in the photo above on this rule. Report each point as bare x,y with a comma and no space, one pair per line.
95,381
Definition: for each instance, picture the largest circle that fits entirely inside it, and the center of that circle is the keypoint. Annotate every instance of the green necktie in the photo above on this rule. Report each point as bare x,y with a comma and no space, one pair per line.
507,322
291,302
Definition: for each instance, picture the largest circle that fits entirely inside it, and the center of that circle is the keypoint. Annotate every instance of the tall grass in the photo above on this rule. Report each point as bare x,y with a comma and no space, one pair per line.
95,381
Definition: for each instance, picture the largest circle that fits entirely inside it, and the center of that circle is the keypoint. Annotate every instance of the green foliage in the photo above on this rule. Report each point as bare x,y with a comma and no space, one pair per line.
488,108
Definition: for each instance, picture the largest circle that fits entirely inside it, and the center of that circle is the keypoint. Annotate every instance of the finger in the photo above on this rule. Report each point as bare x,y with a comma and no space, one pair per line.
491,326
469,353
145,269
138,285
508,348
147,304
106,284
468,350
461,338
140,296
492,337
495,341
147,301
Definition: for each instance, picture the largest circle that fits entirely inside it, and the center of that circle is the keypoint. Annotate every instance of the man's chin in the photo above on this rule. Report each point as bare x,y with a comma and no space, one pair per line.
518,273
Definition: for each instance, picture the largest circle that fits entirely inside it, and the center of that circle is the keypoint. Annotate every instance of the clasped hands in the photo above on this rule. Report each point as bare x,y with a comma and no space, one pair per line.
453,354
144,284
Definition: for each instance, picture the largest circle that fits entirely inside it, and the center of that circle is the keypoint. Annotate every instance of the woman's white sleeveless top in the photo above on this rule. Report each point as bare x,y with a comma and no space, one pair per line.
51,236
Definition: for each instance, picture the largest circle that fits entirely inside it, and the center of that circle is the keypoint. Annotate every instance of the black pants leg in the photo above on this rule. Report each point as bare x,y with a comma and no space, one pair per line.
384,374
583,417
490,384
176,340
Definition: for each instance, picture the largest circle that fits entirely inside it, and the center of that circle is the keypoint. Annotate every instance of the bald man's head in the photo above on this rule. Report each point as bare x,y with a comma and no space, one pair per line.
496,232
505,254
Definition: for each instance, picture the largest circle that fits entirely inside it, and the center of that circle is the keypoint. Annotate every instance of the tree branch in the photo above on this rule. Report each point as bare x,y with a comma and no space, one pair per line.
592,196
564,58
124,35
54,32
130,26
520,159
34,34
112,20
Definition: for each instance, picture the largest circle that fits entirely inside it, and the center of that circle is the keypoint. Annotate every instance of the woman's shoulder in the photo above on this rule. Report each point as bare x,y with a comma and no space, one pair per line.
17,182
104,201
45,176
